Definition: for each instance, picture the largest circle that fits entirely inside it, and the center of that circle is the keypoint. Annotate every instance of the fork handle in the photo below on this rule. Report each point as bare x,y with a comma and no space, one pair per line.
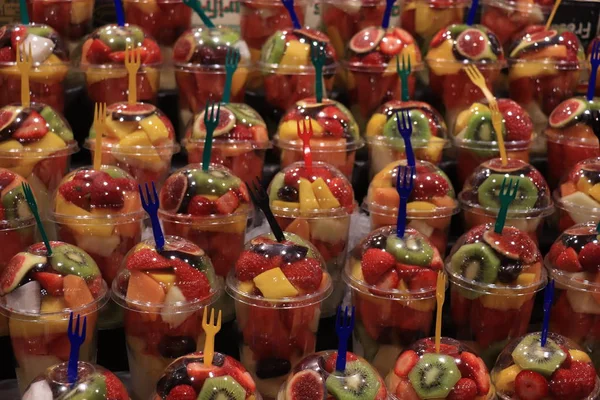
227,89
591,89
159,238
401,221
410,154
340,362
319,83
73,360
404,85
277,232
385,22
209,347
132,93
25,95
500,219
292,12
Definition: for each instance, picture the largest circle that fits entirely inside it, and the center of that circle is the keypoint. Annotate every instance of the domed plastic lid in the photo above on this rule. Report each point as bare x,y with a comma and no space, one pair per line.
473,128
15,211
288,52
106,47
204,47
432,194
284,274
334,127
225,374
481,190
485,261
575,121
579,191
34,132
318,372
240,127
34,283
555,46
93,382
544,366
537,9
457,360
324,191
47,49
375,49
412,264
178,279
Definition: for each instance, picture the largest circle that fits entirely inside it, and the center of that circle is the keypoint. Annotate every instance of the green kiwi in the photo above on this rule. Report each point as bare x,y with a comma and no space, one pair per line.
369,344
94,389
412,250
421,132
480,128
212,182
245,114
489,193
67,259
434,376
476,262
358,381
530,355
273,49
57,125
15,206
222,388
39,30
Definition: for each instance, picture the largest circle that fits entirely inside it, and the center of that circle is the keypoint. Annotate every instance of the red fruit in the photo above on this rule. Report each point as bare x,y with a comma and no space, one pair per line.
557,248
389,280
567,363
33,128
125,184
576,382
106,194
240,132
192,283
95,286
115,390
97,52
147,259
517,122
568,261
429,185
200,372
251,264
6,54
6,178
465,389
586,377
530,385
182,392
200,206
473,367
332,127
423,279
342,191
375,263
407,272
375,58
405,363
304,274
390,45
227,203
152,51
53,283
589,257
76,192
332,360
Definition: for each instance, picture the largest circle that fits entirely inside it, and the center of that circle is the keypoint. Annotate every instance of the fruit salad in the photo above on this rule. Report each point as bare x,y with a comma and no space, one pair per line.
164,293
240,140
480,199
72,19
199,57
385,143
286,66
37,292
558,370
316,205
50,64
211,209
493,280
315,378
571,135
431,204
544,69
188,378
163,20
335,139
455,373
392,281
103,62
476,141
93,383
278,289
139,139
452,49
371,76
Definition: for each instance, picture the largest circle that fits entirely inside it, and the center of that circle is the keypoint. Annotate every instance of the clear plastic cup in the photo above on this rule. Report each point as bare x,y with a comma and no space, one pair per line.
395,305
239,143
38,293
226,376
164,20
50,64
336,136
492,288
317,373
519,365
277,316
480,202
210,209
430,207
72,19
385,144
465,374
475,139
164,294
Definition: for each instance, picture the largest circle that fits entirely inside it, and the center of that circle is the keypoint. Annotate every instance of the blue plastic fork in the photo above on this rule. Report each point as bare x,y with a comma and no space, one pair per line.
76,339
404,186
548,297
211,121
151,204
289,6
472,12
404,126
595,63
507,194
344,324
385,22
404,72
261,199
232,59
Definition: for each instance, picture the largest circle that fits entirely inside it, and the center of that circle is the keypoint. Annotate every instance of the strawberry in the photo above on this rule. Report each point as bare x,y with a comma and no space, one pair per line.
465,389
6,55
389,280
6,178
147,259
429,185
305,274
106,194
375,263
390,45
115,390
342,191
97,52
201,206
53,283
33,128
423,279
473,367
95,286
240,132
243,193
331,360
76,192
589,257
577,382
405,363
251,264
374,58
333,113
557,248
586,377
332,127
125,184
199,372
407,272
567,363
192,283
227,203
568,261
530,385
292,177
517,122
182,392
538,179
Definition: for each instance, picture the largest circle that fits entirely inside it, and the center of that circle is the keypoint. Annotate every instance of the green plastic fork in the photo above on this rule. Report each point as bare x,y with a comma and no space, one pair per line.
404,72
507,195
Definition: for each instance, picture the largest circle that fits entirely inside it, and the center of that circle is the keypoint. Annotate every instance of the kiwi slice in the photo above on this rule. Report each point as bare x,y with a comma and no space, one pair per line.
213,182
412,250
489,193
421,131
95,389
222,388
434,376
57,125
358,381
530,355
479,128
39,30
476,262
15,205
272,51
246,114
67,259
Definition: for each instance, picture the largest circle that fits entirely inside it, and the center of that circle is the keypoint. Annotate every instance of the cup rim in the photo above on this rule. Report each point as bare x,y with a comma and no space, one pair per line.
206,220
39,65
384,141
511,5
497,64
512,214
564,278
337,213
267,68
273,2
296,145
89,144
108,219
116,67
229,143
440,212
560,138
70,149
361,67
212,68
595,212
551,63
512,145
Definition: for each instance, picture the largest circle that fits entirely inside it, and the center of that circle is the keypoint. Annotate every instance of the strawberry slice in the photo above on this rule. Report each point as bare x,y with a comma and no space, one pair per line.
200,372
98,52
6,54
375,263
53,283
76,192
342,191
192,283
405,363
464,389
390,280
251,264
331,360
182,392
557,248
305,275
115,390
33,128
147,259
227,203
473,367
105,193
423,279
589,257
530,385
568,261
6,178
119,56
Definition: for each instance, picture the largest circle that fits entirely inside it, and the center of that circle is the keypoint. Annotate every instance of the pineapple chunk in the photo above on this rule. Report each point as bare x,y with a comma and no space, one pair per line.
308,200
50,141
155,129
246,287
325,198
420,206
119,129
584,185
505,380
273,284
285,204
288,130
166,279
578,355
296,54
595,192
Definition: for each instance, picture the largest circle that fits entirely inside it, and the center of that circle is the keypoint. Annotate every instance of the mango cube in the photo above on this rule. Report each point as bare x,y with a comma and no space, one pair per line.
308,200
324,196
273,284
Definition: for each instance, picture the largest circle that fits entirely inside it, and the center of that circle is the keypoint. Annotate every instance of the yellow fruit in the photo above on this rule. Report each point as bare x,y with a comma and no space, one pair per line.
238,80
288,130
285,204
52,304
375,125
45,325
81,11
357,271
89,227
593,191
578,355
505,379
10,145
246,287
50,142
308,201
434,148
147,6
165,278
529,69
295,55
498,301
424,305
53,70
420,206
119,129
155,128
441,59
274,285
95,75
325,198
135,139
126,149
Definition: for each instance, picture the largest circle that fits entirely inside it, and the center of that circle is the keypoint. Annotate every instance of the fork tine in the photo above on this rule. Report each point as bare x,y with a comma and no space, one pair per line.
219,315
148,194
76,332
155,193
212,317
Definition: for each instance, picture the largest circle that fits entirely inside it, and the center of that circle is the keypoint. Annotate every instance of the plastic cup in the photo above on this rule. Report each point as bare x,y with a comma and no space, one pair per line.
72,19
430,207
493,281
164,294
277,317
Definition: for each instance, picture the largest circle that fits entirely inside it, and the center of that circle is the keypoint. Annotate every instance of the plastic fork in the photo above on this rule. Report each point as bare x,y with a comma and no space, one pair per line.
404,186
232,59
344,324
261,199
211,121
289,6
404,126
305,135
404,72
210,329
34,210
317,57
507,195
23,12
548,297
76,339
194,5
385,22
595,63
99,128
24,63
472,12
440,295
151,204
133,61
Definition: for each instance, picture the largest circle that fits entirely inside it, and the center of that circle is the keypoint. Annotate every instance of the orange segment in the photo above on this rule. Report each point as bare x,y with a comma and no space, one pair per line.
300,227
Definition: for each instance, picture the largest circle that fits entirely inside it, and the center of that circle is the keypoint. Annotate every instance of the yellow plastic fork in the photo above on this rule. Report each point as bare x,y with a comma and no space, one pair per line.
24,62
477,78
100,129
132,64
210,329
440,294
